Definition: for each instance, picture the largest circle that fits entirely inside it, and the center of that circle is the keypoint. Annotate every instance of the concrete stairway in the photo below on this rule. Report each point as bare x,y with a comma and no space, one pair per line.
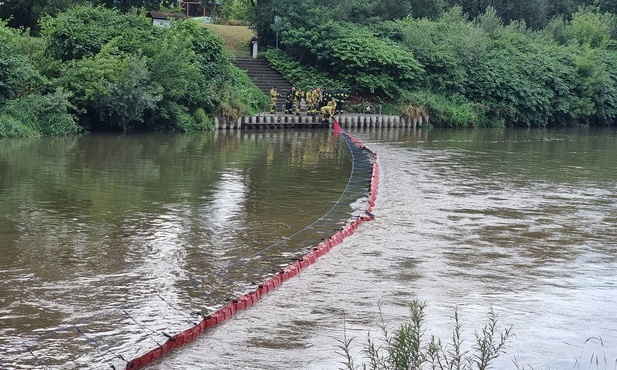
259,70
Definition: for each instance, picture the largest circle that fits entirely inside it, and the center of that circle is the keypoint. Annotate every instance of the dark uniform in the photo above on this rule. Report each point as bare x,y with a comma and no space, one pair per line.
341,97
289,98
326,97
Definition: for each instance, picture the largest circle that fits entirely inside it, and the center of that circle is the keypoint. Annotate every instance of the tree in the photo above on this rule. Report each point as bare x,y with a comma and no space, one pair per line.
84,30
126,5
591,27
431,9
18,77
26,13
607,6
355,56
27,106
111,89
235,9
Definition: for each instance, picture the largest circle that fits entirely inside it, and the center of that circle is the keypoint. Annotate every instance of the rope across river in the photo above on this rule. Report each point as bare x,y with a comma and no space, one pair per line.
127,337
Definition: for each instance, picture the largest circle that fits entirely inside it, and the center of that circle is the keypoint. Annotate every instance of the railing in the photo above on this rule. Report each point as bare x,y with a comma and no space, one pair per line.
276,121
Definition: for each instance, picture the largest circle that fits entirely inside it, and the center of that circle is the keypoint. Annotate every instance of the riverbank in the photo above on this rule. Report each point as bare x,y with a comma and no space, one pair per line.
175,78
235,38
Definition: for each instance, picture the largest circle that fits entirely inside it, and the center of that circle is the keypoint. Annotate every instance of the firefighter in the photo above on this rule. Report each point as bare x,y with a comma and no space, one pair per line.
326,97
289,98
274,95
319,100
341,97
299,95
327,110
316,101
309,102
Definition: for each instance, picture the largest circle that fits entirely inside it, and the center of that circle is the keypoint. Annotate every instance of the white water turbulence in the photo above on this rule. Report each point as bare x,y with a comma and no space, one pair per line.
520,222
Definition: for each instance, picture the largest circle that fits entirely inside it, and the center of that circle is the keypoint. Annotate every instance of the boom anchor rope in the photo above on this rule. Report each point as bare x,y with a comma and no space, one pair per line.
196,313
241,263
176,308
227,279
143,328
95,345
341,218
206,293
169,336
36,357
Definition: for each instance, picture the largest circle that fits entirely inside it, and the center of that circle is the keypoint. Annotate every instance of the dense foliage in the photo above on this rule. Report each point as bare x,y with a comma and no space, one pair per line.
29,104
487,70
111,71
535,13
356,57
26,14
463,62
306,76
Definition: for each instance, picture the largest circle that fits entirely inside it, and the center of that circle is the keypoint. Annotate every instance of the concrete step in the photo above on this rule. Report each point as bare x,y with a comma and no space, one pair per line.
361,121
270,75
263,76
257,78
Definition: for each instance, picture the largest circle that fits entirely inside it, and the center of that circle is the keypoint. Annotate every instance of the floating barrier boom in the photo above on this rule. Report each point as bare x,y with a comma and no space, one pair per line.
89,335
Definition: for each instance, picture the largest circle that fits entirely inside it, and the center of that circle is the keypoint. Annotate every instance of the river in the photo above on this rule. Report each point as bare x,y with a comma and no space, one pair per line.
520,221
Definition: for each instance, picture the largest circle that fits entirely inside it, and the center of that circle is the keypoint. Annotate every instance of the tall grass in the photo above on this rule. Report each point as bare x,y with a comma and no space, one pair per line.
236,38
455,112
408,348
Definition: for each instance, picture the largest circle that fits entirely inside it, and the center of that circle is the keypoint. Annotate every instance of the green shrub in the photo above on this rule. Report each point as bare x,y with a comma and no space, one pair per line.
18,77
36,115
445,48
302,76
407,347
183,120
126,75
84,30
445,111
202,120
11,126
356,57
27,107
34,49
111,90
242,89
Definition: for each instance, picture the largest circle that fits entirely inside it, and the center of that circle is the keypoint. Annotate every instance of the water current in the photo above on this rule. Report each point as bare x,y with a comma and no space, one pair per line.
520,221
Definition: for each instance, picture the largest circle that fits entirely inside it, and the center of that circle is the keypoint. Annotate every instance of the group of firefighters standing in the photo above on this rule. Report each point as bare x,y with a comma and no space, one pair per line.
314,101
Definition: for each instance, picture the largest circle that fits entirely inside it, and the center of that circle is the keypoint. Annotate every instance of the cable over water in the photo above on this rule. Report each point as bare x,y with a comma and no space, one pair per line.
135,334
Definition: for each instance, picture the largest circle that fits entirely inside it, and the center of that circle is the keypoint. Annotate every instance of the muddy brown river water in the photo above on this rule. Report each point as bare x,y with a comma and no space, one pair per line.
520,221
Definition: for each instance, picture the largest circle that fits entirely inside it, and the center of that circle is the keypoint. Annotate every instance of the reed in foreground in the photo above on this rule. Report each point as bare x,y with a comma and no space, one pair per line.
408,348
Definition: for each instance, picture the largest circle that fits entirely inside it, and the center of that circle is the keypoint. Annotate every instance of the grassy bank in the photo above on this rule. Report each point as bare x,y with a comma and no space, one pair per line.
236,38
